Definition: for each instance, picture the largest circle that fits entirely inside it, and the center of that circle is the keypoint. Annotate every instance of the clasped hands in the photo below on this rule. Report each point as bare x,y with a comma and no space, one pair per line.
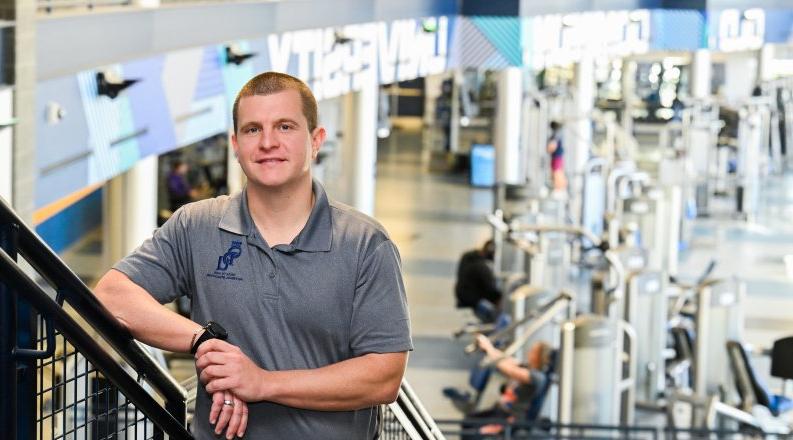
233,380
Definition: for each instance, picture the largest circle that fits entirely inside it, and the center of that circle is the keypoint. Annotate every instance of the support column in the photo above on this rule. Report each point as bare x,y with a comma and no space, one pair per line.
18,165
701,70
365,144
344,184
235,178
628,95
578,134
20,70
130,209
506,137
765,71
740,77
454,122
6,144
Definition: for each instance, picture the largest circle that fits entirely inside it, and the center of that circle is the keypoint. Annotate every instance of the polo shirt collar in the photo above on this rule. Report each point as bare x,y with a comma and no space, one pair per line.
236,217
316,235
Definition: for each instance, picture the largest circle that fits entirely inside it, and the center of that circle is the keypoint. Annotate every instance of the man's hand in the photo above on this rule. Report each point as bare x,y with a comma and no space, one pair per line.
351,384
234,416
484,344
224,367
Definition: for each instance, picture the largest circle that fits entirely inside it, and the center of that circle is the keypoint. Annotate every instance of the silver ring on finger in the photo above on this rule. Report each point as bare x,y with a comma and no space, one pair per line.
228,403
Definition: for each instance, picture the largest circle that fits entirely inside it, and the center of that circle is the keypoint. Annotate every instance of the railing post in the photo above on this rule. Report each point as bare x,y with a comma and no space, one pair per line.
8,338
23,334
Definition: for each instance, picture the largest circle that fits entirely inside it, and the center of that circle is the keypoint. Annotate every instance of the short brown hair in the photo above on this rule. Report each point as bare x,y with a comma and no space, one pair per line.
268,83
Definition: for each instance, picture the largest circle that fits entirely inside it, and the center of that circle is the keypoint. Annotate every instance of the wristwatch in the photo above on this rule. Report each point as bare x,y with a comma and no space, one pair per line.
212,330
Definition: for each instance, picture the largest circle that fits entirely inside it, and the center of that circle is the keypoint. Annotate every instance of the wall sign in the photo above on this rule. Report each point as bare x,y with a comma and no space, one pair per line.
335,61
558,39
739,30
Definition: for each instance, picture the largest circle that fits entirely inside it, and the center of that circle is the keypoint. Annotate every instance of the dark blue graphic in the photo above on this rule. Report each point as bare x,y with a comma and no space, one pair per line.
227,259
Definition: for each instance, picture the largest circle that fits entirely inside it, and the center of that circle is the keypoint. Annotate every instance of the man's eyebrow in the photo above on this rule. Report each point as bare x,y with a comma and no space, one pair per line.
288,120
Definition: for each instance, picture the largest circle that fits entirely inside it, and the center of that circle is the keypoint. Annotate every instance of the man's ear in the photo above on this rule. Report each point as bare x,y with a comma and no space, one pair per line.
317,139
234,146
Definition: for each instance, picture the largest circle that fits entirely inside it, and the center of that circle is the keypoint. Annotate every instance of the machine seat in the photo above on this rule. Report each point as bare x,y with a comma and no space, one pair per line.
750,387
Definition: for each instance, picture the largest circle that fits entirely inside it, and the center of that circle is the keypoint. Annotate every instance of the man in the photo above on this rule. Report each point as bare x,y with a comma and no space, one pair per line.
476,285
309,291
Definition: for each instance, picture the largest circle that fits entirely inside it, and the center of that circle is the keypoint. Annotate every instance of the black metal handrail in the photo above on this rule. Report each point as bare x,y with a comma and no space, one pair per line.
72,290
17,280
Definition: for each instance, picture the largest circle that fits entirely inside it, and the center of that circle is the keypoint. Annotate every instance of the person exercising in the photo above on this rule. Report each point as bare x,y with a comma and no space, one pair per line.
525,382
556,150
476,284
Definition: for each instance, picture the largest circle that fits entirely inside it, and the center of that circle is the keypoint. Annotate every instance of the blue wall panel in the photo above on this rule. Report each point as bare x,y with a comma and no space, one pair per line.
71,224
66,139
778,26
62,181
149,106
677,30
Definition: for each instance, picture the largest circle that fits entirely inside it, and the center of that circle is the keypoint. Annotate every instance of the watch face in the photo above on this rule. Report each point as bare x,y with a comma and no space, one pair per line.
216,330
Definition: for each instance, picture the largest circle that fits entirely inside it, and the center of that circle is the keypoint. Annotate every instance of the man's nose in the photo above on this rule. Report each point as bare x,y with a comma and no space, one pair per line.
269,139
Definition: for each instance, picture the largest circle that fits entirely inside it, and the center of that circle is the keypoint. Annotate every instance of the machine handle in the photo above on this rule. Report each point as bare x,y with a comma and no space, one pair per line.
557,306
472,348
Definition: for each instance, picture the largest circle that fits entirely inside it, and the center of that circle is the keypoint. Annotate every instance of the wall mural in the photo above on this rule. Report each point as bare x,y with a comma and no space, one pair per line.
184,96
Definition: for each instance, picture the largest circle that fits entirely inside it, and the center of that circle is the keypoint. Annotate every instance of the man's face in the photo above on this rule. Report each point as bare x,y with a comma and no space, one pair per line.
272,143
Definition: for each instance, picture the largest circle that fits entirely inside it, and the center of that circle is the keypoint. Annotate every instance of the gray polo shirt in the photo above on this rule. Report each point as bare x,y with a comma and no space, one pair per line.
334,293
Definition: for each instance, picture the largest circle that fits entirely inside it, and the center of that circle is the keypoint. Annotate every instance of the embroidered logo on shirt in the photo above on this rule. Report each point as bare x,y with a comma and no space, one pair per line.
227,259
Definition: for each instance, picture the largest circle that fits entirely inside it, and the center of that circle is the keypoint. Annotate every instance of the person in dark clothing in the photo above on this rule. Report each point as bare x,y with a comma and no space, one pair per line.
476,284
179,190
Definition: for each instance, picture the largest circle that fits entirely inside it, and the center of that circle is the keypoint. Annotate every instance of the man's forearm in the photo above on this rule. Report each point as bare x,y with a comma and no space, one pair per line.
508,366
348,385
146,319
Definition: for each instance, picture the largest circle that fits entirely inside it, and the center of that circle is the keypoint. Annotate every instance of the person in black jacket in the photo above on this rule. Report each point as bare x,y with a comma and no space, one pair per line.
476,285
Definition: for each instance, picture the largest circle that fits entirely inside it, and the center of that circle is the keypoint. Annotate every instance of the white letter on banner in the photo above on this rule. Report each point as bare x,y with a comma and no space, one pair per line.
729,23
279,52
317,70
426,52
351,59
304,43
367,56
342,77
409,51
387,45
332,64
352,63
438,64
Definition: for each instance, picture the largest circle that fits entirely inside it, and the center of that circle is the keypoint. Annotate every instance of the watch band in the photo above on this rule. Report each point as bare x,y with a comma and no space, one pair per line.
212,330
195,335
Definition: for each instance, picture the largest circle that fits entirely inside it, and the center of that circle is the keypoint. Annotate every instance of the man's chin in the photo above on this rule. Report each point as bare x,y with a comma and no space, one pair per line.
271,183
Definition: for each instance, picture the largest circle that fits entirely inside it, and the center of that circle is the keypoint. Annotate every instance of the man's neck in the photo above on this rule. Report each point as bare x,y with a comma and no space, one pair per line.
280,213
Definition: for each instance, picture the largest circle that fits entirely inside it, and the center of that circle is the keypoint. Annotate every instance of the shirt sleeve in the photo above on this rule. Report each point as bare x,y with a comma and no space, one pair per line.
380,320
159,265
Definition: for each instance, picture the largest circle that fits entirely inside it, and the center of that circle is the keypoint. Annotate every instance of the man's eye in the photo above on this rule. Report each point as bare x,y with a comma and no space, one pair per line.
285,127
251,130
